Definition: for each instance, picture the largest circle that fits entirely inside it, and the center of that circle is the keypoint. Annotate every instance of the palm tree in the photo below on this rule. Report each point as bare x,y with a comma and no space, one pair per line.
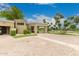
57,18
12,13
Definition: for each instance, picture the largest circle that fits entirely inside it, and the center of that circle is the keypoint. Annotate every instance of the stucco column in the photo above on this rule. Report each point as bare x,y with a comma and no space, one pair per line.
45,27
11,27
7,30
35,29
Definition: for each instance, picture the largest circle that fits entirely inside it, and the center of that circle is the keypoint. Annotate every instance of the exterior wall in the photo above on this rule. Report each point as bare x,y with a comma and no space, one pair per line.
20,28
36,25
14,25
45,27
8,24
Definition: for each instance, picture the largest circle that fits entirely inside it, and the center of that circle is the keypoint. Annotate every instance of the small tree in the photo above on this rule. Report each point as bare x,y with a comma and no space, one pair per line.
58,18
59,25
44,21
12,13
72,27
66,25
74,19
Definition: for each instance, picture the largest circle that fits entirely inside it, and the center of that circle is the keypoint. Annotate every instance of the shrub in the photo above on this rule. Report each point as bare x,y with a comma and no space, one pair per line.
72,27
63,32
26,31
13,32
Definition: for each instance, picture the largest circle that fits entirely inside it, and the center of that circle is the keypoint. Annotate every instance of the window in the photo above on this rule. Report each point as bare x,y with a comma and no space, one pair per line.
20,23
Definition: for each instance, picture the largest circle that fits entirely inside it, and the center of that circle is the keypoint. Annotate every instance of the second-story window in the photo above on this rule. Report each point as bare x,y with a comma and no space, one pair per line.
20,23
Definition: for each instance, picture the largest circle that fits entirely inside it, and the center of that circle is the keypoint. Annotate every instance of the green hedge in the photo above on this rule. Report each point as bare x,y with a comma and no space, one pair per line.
13,32
26,32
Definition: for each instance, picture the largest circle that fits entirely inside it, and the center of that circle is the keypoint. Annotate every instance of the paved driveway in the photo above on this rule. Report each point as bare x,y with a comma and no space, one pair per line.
43,44
72,39
67,40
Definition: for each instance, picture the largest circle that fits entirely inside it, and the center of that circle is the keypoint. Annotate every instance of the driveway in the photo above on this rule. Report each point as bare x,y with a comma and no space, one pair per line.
67,40
41,45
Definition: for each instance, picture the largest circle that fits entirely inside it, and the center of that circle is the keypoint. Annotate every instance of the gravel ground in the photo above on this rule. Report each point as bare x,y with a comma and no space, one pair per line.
34,46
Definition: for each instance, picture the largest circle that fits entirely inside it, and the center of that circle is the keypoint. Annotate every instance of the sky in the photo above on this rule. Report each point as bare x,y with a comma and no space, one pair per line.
33,11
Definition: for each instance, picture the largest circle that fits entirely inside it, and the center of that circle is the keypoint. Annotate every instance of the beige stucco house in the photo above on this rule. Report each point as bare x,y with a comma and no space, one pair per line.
19,25
34,27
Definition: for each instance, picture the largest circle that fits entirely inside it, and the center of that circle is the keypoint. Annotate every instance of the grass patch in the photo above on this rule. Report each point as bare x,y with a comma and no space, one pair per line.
58,32
22,35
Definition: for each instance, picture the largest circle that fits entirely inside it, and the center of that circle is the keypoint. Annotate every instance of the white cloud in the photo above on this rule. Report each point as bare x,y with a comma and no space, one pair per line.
0,8
53,6
4,6
45,3
77,14
42,3
39,18
30,20
52,21
48,4
7,5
